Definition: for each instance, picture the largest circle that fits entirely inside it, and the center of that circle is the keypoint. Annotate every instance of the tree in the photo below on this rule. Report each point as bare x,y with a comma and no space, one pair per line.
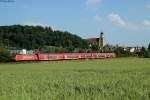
34,37
4,55
94,47
120,52
149,47
144,53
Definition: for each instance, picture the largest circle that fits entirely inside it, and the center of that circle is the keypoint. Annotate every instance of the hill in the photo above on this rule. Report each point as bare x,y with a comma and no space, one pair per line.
35,37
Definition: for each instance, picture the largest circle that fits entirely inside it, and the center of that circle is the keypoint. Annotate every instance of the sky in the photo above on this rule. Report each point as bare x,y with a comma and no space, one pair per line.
124,22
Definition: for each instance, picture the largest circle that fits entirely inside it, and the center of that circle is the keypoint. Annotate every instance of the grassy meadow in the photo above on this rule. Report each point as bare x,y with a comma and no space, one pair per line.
111,79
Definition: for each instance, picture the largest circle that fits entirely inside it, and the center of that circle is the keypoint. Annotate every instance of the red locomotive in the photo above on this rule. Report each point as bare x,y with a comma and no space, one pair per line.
65,56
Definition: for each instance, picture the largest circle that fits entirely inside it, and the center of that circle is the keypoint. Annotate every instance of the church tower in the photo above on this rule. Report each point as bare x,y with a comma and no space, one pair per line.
101,41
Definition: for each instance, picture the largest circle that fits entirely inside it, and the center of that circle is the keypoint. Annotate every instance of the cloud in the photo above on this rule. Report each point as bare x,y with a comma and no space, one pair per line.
97,18
93,3
117,19
148,6
146,23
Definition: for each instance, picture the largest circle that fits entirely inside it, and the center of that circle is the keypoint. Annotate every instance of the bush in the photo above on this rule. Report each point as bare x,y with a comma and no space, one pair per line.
147,54
5,55
121,53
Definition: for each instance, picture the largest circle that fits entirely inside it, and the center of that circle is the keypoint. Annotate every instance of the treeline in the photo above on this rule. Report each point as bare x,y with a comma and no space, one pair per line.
123,52
37,37
143,53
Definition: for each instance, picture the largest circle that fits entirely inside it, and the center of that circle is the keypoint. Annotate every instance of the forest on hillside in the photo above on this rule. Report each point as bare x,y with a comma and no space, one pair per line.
36,37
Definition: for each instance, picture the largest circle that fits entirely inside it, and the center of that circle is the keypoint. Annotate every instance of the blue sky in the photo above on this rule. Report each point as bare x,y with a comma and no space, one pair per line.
124,22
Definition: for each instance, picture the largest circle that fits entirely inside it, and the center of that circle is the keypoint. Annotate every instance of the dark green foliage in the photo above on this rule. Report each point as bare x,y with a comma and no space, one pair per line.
149,47
62,50
94,48
120,52
147,54
4,55
144,53
70,49
36,37
149,50
105,51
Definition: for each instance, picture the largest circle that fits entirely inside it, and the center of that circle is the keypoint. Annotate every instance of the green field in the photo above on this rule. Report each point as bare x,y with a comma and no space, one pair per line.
111,79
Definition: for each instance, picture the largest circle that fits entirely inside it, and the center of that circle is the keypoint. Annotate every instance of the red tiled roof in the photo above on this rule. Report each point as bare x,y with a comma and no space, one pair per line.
92,40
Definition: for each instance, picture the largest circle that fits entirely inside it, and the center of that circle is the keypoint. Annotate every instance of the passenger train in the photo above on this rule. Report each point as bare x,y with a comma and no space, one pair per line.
62,56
